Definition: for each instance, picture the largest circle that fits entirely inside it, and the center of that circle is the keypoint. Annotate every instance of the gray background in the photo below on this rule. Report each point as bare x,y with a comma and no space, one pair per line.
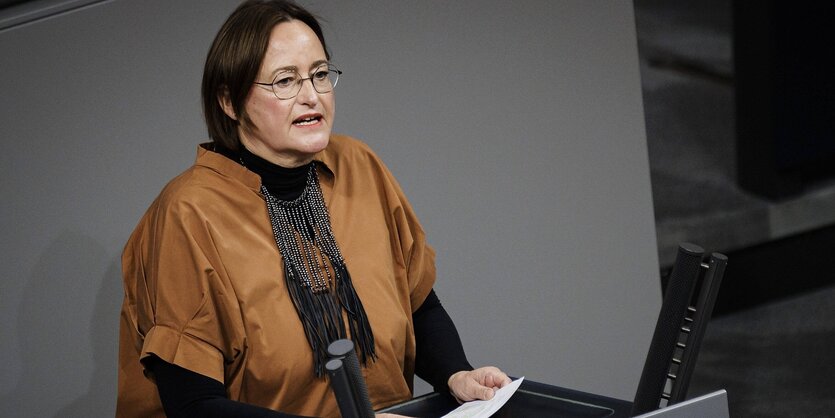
516,129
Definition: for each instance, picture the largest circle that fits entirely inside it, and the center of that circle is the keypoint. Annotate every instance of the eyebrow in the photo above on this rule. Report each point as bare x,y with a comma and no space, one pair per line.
314,65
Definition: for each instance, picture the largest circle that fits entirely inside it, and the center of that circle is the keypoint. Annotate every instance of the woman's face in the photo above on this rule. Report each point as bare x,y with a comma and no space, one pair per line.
288,132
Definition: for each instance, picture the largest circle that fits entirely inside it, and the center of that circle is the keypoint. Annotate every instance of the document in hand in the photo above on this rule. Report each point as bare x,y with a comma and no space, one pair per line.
484,409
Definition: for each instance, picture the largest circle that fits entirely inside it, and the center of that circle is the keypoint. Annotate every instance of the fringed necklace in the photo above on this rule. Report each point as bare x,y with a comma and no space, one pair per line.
315,272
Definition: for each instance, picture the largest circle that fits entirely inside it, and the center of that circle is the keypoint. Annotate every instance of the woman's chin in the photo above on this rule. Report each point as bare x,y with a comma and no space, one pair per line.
317,143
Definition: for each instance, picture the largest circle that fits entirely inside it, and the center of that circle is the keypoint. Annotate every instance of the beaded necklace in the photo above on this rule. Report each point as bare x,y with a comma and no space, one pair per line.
315,272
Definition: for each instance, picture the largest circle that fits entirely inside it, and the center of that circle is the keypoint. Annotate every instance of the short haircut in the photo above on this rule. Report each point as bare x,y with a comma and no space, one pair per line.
235,58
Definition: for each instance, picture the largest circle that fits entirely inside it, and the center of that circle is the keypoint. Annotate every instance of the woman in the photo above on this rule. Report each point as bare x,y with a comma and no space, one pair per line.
280,239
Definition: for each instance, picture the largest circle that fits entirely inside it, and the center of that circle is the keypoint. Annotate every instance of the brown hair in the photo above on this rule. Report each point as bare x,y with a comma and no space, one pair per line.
235,58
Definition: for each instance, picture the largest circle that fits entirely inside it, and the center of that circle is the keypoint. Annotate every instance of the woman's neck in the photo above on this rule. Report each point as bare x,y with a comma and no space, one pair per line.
283,183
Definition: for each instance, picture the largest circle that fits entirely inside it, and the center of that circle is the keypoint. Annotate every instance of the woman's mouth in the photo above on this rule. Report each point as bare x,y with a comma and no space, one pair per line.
307,120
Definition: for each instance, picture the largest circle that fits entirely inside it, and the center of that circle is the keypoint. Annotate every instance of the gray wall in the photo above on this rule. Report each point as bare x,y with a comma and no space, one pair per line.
516,128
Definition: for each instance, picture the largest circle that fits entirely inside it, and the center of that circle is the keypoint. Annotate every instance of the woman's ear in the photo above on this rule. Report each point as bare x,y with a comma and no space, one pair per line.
226,104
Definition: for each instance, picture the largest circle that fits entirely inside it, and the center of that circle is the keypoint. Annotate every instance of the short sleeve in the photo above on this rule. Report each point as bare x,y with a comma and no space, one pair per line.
187,315
421,270
419,256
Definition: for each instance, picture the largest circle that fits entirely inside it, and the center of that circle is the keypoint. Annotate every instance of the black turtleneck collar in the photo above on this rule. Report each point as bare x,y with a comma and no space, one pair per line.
283,183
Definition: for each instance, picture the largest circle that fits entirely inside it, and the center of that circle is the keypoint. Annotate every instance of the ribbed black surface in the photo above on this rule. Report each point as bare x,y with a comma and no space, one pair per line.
344,350
341,388
676,300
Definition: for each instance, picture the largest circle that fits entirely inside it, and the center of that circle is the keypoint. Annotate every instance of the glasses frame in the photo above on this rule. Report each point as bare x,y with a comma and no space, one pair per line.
331,69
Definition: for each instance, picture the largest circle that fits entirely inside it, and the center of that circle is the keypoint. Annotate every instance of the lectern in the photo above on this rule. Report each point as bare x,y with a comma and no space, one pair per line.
532,400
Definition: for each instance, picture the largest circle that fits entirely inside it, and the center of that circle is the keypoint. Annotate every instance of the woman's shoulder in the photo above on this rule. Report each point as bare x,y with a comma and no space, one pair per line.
187,185
345,145
347,152
199,187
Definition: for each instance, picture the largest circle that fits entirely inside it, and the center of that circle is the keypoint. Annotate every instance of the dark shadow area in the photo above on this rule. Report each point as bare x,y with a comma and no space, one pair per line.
770,341
775,270
9,3
774,360
778,269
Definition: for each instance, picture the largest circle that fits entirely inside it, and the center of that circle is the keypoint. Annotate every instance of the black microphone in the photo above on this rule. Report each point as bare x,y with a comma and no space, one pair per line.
343,351
342,389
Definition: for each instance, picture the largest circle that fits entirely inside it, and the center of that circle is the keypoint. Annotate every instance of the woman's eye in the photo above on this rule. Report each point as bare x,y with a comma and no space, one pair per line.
285,81
320,75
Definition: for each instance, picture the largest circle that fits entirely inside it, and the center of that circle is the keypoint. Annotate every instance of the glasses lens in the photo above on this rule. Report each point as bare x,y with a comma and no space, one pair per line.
324,78
286,84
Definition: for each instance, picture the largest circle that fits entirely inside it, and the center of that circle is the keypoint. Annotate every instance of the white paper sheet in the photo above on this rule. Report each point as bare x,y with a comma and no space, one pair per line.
483,409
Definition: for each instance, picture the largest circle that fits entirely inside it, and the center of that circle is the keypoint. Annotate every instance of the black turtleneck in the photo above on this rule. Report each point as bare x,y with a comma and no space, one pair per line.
184,393
283,183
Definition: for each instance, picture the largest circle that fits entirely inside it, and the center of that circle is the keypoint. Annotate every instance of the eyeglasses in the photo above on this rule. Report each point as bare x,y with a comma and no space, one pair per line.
287,84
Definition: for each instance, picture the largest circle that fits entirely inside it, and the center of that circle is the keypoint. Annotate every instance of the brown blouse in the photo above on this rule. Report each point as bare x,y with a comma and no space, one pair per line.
204,288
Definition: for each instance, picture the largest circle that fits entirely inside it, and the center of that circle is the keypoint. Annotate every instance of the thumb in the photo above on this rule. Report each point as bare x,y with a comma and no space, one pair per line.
487,393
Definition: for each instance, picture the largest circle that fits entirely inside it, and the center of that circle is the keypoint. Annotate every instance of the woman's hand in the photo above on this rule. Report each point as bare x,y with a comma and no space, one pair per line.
475,384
